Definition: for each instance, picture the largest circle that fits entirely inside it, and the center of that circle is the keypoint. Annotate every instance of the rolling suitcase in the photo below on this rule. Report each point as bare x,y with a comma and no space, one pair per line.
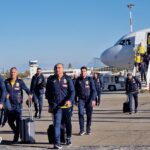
50,134
27,129
126,106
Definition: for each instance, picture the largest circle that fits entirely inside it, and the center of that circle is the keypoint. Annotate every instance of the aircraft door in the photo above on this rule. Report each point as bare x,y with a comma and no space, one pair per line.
148,43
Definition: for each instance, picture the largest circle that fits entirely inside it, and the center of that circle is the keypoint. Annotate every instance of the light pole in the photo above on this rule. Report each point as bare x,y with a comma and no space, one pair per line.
130,6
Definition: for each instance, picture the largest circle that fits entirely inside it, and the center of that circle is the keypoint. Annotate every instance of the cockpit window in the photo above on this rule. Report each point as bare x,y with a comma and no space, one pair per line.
125,42
128,42
122,42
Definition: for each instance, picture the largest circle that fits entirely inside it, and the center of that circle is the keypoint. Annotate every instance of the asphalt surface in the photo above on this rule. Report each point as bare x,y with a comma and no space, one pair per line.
111,129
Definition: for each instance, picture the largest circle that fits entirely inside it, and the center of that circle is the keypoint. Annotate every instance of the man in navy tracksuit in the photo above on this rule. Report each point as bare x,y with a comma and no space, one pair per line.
15,87
2,91
37,89
74,78
132,89
143,69
60,93
2,97
86,93
98,85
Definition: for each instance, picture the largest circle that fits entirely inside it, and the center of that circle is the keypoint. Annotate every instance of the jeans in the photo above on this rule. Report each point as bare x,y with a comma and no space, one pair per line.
143,75
38,102
57,125
98,98
135,96
62,117
66,121
83,104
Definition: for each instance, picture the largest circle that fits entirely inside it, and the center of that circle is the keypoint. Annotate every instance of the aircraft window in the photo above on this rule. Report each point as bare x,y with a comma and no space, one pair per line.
128,42
122,42
125,42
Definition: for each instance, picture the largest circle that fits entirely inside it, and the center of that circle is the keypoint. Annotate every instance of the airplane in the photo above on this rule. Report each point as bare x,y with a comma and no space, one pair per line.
121,55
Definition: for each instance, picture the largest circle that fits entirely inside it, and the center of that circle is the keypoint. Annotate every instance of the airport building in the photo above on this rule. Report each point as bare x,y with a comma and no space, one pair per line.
33,64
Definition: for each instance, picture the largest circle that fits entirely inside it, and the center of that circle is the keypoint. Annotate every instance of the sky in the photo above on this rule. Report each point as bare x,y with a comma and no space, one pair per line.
67,31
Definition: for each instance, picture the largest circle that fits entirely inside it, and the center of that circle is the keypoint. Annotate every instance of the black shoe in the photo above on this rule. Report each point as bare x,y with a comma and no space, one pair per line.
15,140
136,111
35,116
130,113
88,132
3,124
68,142
39,116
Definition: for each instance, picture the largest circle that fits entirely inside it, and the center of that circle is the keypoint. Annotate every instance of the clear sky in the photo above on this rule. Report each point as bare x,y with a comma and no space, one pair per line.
67,31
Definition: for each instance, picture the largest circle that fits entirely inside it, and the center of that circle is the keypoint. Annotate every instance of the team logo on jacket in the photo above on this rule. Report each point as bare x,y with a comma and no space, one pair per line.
17,84
65,81
87,82
40,81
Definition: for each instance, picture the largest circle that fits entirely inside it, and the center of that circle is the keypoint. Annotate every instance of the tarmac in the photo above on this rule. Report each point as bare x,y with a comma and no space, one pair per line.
111,128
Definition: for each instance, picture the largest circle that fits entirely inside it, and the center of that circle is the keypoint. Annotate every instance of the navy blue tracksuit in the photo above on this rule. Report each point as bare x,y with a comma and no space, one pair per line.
86,93
37,89
143,69
132,87
2,90
57,93
2,98
99,86
16,98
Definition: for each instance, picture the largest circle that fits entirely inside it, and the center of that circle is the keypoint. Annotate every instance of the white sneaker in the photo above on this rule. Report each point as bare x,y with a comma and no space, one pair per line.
81,133
58,147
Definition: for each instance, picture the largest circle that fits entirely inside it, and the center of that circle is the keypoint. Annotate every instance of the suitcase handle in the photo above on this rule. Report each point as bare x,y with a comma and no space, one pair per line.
30,110
127,98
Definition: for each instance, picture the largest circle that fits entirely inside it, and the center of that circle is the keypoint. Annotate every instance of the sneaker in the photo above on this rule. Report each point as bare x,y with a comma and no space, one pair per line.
130,113
68,142
88,132
58,147
81,133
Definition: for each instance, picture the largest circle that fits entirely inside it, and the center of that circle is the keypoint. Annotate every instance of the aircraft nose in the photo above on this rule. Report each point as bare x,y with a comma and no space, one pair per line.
105,57
108,57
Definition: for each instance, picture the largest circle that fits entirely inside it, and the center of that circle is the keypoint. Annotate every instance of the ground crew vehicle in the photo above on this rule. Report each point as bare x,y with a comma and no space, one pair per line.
113,82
